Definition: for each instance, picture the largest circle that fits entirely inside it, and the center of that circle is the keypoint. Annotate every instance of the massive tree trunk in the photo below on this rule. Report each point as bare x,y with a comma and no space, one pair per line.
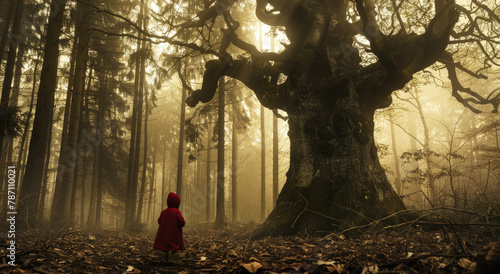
335,178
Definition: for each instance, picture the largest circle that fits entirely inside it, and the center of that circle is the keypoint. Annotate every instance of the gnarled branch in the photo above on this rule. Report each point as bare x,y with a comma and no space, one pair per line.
458,89
412,52
270,95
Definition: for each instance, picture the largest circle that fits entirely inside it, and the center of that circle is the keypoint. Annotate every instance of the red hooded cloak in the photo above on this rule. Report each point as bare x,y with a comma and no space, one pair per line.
169,235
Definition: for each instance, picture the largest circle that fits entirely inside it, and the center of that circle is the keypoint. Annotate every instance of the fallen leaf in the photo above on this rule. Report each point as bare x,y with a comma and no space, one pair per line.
335,268
320,262
252,267
132,269
467,264
370,269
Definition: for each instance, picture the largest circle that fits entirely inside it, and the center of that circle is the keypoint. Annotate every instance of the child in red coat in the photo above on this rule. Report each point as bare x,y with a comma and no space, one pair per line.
169,236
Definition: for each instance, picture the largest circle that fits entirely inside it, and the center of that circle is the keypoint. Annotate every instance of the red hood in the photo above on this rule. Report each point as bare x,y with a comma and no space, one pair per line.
173,200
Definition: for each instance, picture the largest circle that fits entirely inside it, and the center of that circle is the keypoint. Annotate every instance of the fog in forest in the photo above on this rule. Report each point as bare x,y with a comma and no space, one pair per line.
283,117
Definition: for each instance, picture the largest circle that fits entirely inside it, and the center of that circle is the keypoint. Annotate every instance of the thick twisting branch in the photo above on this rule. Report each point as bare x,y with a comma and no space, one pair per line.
270,95
279,15
378,41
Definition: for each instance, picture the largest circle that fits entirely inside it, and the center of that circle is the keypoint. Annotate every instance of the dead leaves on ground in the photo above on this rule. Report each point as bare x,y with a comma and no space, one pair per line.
208,250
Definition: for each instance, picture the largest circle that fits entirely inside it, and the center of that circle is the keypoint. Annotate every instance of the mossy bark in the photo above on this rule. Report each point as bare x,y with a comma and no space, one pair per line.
335,179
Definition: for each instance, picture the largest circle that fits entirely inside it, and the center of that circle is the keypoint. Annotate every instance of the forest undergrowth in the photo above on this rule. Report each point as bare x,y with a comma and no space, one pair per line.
410,249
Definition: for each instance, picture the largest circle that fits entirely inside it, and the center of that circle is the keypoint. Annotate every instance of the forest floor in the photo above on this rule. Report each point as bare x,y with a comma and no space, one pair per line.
448,249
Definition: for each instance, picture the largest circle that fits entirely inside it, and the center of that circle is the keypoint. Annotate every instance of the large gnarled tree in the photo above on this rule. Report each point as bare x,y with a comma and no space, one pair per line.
332,91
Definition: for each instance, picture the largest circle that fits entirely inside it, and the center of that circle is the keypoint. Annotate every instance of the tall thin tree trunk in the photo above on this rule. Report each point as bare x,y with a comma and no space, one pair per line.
67,107
24,137
234,173
13,102
100,130
275,160
64,180
163,177
82,194
72,208
6,158
6,27
99,192
428,161
262,150
180,155
397,180
412,130
139,131
93,190
95,170
262,165
45,182
44,108
220,215
151,185
9,69
144,162
197,193
143,93
130,205
275,149
209,159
